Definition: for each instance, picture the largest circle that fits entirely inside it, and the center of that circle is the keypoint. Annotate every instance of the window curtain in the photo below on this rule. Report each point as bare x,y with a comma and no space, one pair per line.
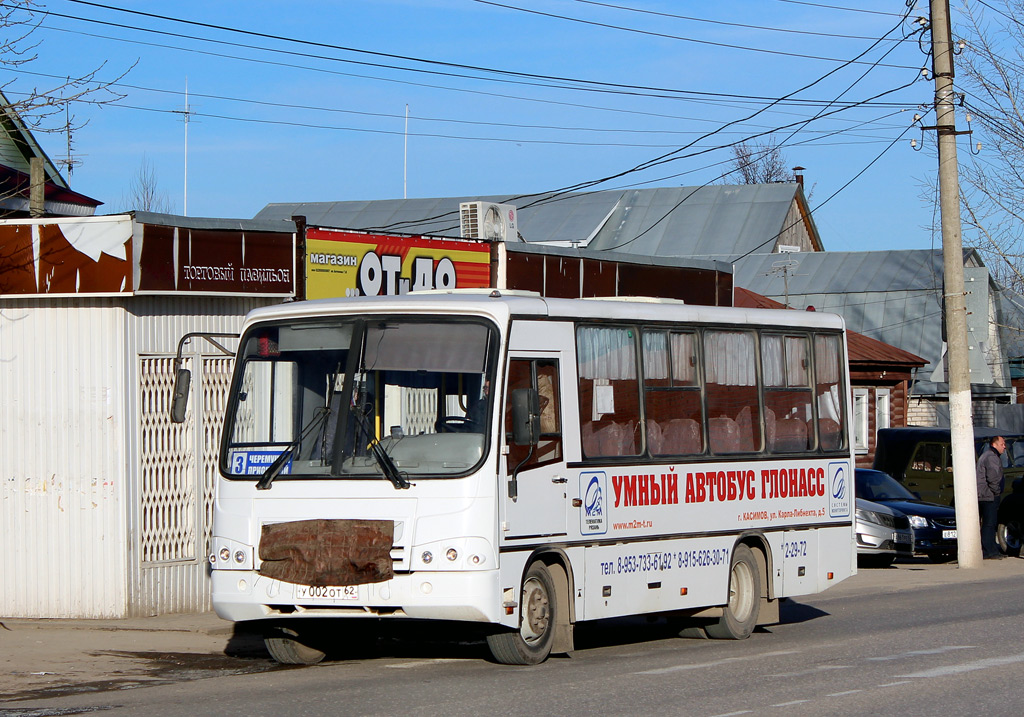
655,355
729,358
797,361
606,353
771,360
826,355
684,363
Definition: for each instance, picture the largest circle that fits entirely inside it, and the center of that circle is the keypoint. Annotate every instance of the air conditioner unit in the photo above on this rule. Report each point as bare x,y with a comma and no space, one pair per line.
489,221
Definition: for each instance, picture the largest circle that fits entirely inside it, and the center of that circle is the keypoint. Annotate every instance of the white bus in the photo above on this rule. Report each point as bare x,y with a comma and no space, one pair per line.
523,464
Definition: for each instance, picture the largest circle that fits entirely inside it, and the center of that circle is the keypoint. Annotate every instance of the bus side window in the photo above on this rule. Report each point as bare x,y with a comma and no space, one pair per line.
543,376
734,410
785,365
672,400
830,388
609,391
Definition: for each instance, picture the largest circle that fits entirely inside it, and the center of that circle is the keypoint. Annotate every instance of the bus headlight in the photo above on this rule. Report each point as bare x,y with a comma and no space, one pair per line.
228,554
459,553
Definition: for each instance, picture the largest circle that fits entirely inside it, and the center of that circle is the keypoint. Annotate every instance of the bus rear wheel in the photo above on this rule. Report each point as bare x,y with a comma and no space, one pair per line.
531,644
286,646
739,617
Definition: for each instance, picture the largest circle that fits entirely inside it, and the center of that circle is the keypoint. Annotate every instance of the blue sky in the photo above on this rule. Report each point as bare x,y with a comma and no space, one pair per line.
307,124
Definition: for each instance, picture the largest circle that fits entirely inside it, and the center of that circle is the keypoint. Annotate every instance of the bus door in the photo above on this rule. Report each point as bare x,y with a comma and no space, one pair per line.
535,484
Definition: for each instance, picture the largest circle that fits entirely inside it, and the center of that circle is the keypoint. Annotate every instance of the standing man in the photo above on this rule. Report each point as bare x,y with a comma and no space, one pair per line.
990,487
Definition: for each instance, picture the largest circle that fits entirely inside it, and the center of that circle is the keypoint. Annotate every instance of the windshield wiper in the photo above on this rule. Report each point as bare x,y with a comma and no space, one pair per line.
275,468
387,466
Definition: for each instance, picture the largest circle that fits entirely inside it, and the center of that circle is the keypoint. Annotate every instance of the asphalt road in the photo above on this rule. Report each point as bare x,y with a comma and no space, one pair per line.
909,641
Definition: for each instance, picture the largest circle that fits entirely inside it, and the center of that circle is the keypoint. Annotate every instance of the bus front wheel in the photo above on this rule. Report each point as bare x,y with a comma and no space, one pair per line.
531,644
739,617
286,646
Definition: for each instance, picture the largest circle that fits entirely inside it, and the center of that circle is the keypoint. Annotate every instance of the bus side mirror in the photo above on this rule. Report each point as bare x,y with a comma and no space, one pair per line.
525,416
179,401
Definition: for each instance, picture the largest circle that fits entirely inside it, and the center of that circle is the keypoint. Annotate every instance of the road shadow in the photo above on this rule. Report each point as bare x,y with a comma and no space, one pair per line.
792,612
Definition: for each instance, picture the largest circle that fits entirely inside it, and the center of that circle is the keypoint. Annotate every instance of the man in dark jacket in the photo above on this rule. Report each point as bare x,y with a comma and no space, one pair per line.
990,487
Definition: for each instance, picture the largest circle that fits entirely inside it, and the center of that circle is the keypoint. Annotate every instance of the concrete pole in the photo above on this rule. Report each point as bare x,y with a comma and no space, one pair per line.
965,488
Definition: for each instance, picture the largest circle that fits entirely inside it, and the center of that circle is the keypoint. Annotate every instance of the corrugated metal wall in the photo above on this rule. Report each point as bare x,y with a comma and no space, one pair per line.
62,458
173,477
104,504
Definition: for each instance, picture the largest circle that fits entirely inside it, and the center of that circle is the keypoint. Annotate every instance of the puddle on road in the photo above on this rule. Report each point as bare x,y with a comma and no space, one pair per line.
54,712
151,669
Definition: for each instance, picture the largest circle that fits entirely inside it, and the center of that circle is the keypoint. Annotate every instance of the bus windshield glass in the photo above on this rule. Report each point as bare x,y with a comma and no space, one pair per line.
335,394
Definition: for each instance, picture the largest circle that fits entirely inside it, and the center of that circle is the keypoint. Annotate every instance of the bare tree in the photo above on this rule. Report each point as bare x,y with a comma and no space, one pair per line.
45,109
144,193
990,76
759,163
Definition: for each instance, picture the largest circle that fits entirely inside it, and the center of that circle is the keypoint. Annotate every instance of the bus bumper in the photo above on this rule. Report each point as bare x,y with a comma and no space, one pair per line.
472,596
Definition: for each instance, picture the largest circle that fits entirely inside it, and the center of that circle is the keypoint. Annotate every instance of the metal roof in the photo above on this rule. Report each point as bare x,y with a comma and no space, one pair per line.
716,222
891,296
213,223
863,349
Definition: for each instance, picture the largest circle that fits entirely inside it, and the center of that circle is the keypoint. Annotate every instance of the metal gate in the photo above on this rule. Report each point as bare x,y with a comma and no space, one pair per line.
177,476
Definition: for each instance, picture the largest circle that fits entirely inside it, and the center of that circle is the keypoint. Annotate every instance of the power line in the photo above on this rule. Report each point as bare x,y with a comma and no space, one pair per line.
838,7
672,156
501,75
711,43
835,193
724,23
385,115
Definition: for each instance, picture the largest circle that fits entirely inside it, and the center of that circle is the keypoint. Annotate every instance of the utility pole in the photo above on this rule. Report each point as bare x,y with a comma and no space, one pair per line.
965,488
186,116
37,188
405,157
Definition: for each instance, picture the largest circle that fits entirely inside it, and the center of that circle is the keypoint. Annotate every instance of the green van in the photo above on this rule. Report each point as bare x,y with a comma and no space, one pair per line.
921,459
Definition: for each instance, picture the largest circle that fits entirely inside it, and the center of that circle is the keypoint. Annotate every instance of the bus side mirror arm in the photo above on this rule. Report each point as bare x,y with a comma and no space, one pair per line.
525,429
183,377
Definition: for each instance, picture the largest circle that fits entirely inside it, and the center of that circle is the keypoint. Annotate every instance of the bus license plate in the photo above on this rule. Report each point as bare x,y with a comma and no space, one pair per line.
949,535
326,592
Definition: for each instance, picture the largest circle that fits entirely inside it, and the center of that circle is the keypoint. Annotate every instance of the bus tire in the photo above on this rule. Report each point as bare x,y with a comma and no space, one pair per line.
286,646
694,632
739,617
531,643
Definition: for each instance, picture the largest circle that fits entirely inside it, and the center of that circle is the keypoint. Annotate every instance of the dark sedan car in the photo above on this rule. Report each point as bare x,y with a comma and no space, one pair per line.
934,525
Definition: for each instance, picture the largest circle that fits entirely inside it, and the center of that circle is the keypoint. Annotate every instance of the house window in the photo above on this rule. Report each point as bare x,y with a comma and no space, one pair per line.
882,404
860,420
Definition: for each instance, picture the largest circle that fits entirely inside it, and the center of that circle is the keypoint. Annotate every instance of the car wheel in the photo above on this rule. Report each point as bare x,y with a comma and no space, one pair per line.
1008,535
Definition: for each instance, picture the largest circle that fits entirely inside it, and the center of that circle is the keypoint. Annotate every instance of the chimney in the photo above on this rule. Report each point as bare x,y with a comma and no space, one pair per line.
798,175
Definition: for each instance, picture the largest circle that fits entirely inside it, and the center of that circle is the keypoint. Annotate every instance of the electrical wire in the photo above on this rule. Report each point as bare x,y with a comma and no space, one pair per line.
500,75
672,156
710,43
722,22
736,99
386,115
839,7
833,195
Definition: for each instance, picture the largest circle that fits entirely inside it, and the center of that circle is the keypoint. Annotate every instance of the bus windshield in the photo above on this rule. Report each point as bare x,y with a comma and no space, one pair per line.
344,397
